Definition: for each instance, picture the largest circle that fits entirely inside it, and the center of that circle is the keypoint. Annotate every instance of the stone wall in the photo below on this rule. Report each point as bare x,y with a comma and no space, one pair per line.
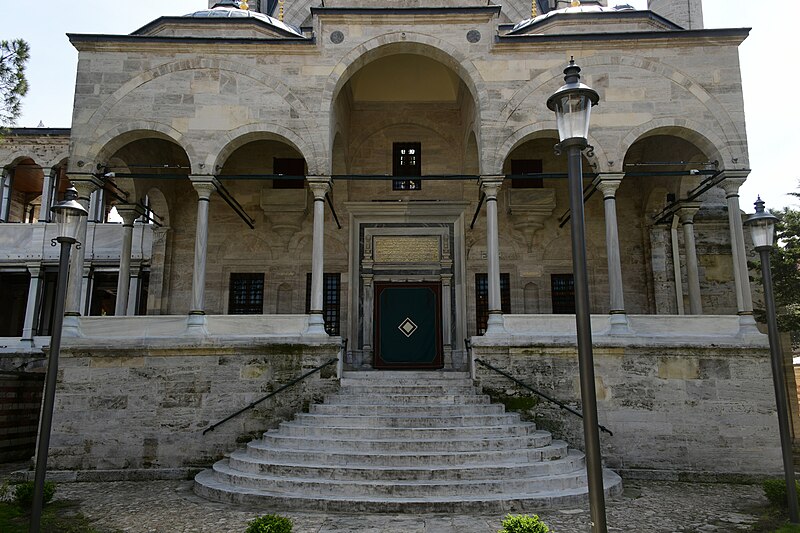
125,407
672,410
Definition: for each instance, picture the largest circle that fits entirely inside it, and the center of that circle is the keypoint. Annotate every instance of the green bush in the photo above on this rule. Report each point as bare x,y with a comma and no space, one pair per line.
523,524
270,523
775,491
23,493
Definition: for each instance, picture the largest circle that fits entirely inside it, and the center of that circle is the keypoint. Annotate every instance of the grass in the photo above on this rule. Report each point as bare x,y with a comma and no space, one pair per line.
60,516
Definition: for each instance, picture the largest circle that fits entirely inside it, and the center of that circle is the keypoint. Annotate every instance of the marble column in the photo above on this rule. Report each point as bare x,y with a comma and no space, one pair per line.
133,290
608,185
85,185
29,326
129,213
319,186
744,299
205,187
490,186
5,194
686,214
158,271
47,192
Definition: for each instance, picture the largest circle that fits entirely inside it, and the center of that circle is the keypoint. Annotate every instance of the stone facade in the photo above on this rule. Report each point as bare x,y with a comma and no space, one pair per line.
203,121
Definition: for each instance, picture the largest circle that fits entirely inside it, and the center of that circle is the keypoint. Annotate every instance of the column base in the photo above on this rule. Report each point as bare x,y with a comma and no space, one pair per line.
71,326
196,323
618,322
747,325
316,325
495,325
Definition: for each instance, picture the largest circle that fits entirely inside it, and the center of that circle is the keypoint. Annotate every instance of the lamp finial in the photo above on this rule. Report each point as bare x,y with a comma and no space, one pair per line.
759,205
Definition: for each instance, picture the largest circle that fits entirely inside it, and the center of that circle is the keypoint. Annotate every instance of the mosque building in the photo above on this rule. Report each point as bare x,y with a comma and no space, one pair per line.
375,181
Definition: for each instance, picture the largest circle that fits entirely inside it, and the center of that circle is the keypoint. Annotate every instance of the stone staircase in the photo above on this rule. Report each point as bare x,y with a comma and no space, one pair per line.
404,442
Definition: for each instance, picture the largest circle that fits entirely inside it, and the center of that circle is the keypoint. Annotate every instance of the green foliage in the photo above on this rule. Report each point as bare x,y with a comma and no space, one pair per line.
13,85
23,493
59,516
784,260
775,491
270,524
789,528
523,524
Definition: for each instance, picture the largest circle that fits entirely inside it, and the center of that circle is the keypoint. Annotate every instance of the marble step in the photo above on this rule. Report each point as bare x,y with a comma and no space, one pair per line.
407,421
404,399
397,488
426,409
208,486
425,433
240,460
395,375
419,390
536,439
260,451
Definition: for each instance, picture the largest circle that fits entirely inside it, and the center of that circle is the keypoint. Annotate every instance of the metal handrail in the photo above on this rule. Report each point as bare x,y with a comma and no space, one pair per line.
270,395
543,395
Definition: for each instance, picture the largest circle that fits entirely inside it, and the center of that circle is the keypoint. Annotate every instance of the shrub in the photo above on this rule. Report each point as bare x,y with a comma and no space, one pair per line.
270,524
775,491
523,524
23,493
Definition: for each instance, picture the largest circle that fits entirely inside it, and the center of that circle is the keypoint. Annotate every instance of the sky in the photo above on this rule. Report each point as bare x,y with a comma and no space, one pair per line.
766,58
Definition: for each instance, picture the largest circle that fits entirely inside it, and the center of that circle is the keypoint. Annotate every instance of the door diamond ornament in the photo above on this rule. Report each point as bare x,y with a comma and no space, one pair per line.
407,327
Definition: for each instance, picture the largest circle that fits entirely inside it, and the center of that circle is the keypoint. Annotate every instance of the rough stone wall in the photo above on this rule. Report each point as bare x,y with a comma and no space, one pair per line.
685,13
687,409
139,408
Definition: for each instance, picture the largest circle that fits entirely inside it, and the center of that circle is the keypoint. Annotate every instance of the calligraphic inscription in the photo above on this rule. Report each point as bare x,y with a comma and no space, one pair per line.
407,249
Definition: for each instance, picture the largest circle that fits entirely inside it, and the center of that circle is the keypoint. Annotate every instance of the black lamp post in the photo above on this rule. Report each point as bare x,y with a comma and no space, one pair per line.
67,214
762,230
573,104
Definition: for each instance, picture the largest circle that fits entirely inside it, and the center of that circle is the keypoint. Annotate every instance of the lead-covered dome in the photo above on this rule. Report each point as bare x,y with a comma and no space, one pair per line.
230,9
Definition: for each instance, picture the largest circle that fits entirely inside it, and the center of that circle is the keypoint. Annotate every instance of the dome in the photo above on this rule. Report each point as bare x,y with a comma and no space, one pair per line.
570,10
221,10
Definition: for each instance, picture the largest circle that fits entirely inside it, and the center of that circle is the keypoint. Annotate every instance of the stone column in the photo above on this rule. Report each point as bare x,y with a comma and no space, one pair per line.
686,214
319,186
129,213
608,185
205,187
158,273
5,194
29,327
133,291
744,299
47,192
490,186
85,185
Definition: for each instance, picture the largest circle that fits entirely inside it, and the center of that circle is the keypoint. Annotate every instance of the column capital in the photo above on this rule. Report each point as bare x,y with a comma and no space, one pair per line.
129,213
85,184
490,186
34,268
47,171
319,185
732,180
687,211
204,185
608,184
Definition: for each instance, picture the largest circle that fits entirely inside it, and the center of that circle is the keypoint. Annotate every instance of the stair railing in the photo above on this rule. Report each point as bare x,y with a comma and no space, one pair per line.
271,394
538,393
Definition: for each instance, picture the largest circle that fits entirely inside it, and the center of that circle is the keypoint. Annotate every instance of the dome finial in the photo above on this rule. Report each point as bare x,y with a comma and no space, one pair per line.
576,3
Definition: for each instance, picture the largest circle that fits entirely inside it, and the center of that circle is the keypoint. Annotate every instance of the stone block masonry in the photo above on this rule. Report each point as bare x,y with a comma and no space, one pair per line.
129,408
673,410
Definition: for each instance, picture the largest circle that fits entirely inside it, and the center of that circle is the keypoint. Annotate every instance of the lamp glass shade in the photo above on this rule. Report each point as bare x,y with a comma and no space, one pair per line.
573,110
67,214
762,231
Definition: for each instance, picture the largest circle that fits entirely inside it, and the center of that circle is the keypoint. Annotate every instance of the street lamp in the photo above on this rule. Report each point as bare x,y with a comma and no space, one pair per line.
762,230
67,215
573,104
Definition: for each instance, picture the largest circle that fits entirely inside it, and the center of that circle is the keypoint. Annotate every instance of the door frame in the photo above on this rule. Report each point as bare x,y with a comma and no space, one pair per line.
438,360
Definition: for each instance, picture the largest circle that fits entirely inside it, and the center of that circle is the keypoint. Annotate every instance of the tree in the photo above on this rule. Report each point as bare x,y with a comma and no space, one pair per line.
785,262
13,85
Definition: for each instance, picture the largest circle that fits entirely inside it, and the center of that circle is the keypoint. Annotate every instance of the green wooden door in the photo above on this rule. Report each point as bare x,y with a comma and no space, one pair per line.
408,331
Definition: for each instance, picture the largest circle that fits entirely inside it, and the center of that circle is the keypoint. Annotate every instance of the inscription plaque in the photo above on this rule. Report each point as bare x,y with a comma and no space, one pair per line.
407,249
